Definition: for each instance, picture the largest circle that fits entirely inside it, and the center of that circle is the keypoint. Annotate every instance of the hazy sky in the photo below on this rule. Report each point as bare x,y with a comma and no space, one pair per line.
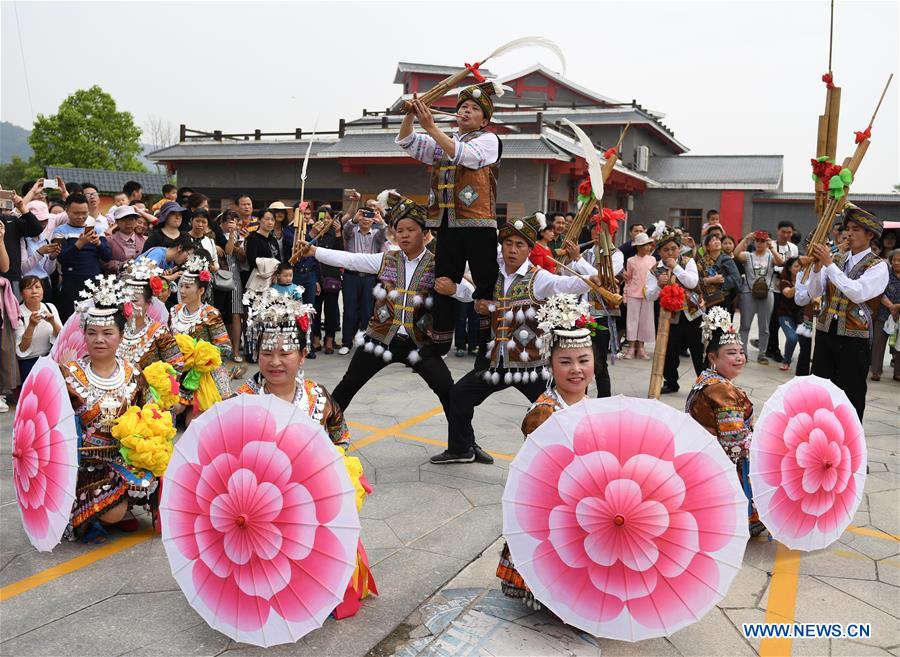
731,77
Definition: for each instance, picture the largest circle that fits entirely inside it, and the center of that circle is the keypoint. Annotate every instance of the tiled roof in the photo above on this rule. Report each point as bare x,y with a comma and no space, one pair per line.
762,172
109,182
893,199
238,150
409,67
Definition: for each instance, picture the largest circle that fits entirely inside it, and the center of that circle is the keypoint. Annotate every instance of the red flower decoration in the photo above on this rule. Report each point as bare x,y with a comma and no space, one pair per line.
828,79
127,310
863,135
581,322
585,189
819,167
671,298
830,170
303,322
156,285
204,276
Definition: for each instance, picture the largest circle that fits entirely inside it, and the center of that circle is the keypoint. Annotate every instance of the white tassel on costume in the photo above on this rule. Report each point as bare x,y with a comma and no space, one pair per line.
520,316
387,356
414,357
378,350
507,378
508,316
359,338
487,377
379,292
530,313
370,346
393,294
495,378
517,377
539,343
417,301
533,376
545,374
490,346
429,302
492,307
523,356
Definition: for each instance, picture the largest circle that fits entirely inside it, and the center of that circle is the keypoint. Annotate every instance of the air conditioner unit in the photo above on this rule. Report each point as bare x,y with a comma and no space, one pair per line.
629,203
642,161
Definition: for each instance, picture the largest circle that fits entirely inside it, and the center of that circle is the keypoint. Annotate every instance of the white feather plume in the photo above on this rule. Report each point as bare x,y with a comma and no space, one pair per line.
529,41
384,198
659,228
541,219
595,169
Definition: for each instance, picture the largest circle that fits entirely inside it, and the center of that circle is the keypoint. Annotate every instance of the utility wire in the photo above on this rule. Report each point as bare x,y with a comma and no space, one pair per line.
24,65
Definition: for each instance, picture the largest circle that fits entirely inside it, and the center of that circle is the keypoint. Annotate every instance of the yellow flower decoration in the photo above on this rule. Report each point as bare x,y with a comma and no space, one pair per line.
200,358
163,381
145,438
355,470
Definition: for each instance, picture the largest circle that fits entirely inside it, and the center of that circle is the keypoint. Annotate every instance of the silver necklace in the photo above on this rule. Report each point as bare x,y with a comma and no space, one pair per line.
112,382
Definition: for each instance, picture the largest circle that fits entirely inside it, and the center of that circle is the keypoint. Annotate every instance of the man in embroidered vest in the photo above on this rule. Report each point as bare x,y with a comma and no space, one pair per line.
513,356
398,330
463,197
852,284
685,330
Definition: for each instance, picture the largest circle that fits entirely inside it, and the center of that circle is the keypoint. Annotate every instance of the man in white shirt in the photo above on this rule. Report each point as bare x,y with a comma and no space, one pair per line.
101,222
851,285
404,296
463,195
786,249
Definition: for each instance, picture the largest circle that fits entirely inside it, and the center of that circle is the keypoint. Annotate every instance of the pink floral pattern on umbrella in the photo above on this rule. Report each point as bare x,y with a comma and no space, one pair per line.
70,343
44,456
807,462
626,521
261,518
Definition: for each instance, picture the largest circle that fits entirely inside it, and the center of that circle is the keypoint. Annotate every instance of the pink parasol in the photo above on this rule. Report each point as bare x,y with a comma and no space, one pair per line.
808,463
259,520
70,343
45,456
158,312
625,518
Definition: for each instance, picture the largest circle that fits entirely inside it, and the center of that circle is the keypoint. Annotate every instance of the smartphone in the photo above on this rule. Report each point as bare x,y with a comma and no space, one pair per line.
6,199
50,183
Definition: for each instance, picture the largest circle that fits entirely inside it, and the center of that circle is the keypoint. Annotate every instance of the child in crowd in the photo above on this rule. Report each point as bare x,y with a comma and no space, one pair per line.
639,318
282,282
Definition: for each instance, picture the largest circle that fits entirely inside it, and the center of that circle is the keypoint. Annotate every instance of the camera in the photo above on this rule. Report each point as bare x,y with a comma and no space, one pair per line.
370,214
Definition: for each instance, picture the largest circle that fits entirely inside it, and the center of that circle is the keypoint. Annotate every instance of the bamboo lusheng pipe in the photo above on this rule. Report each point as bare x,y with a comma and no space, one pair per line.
833,97
659,354
611,298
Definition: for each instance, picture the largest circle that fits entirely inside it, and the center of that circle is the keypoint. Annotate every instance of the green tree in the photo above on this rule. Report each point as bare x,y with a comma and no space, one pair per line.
17,171
87,132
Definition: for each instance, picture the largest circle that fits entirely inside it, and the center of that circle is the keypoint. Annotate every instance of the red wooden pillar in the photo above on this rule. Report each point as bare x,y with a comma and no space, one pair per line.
731,211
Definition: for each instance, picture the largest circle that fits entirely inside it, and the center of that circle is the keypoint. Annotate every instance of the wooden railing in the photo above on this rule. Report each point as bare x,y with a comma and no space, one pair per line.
189,134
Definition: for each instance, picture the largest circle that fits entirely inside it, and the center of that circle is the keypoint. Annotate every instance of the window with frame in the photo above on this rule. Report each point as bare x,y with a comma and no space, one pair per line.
689,220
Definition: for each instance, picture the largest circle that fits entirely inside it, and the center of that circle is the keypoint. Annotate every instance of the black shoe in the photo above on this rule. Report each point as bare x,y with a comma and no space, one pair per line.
449,457
668,388
774,356
460,353
482,457
311,354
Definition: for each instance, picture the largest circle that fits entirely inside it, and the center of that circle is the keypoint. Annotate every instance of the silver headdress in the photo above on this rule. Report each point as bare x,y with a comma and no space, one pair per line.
566,323
277,319
101,298
719,319
139,271
194,269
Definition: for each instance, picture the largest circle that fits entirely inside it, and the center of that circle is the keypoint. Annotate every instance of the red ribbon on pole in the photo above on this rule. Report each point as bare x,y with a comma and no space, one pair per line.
611,218
473,69
609,152
861,136
828,79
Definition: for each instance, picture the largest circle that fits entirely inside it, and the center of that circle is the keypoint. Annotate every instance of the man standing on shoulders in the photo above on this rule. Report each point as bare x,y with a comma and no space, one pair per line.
462,204
852,284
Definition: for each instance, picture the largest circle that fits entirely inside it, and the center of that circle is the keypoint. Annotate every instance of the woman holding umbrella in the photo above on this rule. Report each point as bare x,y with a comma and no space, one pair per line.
101,386
719,405
279,327
567,323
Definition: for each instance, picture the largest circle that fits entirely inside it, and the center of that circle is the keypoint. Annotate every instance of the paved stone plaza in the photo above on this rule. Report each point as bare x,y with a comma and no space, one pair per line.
432,536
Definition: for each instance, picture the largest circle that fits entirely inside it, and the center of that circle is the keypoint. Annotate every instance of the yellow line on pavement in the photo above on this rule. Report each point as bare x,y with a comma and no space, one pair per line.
782,600
874,533
432,441
380,434
66,567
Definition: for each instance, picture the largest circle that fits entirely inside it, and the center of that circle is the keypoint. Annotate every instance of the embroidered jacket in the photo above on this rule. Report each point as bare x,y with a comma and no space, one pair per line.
468,195
315,400
405,303
152,344
514,326
207,325
853,320
724,410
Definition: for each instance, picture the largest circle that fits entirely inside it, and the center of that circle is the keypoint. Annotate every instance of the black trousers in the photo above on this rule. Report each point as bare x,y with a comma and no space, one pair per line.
455,247
469,392
364,365
684,334
773,348
804,357
600,342
845,362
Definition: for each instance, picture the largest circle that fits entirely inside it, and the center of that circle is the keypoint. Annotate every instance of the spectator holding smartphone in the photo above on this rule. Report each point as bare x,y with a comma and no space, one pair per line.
39,324
361,235
16,227
81,253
